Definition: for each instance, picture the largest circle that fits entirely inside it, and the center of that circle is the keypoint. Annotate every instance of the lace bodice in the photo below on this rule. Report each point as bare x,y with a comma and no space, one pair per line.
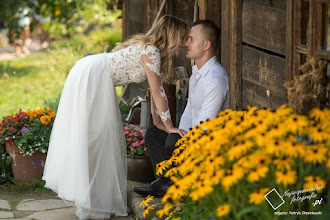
127,66
137,63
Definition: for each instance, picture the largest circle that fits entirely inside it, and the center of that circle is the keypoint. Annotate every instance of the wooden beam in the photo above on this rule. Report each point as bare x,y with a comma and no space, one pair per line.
225,35
236,54
297,36
289,41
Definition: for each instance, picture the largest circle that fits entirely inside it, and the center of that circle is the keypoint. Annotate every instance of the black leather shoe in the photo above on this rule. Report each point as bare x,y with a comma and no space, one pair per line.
157,188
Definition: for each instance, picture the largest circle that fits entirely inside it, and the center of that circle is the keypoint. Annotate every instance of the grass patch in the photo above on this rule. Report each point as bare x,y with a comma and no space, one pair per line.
14,203
37,185
36,81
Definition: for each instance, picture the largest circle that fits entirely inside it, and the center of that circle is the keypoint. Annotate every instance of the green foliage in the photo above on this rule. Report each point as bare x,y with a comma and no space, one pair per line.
5,167
36,81
15,185
61,18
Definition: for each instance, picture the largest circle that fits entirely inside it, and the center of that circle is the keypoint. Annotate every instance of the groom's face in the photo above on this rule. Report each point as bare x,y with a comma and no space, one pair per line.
195,43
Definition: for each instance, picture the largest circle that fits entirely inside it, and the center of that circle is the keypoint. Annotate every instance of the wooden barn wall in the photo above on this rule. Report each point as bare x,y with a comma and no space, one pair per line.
263,53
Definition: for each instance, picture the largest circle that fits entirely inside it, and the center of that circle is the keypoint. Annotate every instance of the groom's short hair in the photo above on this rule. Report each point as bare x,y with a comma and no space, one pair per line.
211,31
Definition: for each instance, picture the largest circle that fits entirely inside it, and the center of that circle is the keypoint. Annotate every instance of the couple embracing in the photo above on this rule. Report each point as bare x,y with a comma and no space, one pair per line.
86,160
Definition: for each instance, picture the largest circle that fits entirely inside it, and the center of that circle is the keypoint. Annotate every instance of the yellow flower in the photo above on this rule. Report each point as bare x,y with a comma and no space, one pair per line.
45,119
145,202
319,114
147,210
286,177
283,163
165,210
258,196
260,172
202,188
39,112
312,181
52,115
315,154
223,210
233,176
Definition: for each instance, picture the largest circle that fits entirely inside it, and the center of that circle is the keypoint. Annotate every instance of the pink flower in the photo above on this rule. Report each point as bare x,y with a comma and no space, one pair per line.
135,144
126,127
131,134
142,142
134,150
126,132
132,126
129,139
145,149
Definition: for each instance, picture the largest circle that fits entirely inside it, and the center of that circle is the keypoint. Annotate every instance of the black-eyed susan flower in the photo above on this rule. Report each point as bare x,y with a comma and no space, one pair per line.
147,210
315,154
258,196
145,202
165,210
283,163
223,210
312,181
286,177
257,174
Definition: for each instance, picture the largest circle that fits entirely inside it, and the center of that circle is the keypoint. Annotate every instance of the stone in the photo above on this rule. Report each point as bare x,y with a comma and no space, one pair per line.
6,215
41,205
63,214
4,204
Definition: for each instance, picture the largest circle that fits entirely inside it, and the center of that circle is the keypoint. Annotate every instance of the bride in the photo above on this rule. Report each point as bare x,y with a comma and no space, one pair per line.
86,160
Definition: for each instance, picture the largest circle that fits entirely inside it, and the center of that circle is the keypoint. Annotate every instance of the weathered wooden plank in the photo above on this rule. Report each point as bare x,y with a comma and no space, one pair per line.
280,4
264,27
255,95
289,41
210,9
225,35
236,55
264,69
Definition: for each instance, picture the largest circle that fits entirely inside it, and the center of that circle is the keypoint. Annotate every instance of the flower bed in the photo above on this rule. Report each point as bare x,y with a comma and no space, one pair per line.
226,166
135,141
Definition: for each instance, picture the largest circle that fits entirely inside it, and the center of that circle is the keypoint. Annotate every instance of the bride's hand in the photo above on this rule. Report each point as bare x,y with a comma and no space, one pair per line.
181,132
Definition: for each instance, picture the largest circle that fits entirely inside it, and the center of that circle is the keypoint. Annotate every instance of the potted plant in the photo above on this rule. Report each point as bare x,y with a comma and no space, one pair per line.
139,167
26,136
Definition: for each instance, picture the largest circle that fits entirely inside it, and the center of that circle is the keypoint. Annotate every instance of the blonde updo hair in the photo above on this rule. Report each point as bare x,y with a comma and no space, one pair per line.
164,34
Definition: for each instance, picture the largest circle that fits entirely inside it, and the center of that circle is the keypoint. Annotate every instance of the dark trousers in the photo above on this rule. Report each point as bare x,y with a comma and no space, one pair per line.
160,145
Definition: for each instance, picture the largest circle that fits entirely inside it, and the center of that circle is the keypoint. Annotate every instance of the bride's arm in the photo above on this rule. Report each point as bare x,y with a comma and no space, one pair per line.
151,62
155,116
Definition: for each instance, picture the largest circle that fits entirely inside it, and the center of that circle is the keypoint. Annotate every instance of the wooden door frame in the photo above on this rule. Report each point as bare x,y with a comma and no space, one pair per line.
231,48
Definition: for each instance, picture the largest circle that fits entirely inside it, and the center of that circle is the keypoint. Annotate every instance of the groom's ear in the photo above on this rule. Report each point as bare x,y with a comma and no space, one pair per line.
207,45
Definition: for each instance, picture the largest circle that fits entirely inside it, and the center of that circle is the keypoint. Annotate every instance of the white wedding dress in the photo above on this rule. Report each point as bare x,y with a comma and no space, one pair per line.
86,160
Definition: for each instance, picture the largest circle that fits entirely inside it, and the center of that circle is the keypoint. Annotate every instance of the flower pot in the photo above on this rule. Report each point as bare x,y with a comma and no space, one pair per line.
140,169
25,168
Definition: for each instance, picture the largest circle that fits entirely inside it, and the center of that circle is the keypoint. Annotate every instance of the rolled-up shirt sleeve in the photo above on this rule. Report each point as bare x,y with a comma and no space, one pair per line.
214,94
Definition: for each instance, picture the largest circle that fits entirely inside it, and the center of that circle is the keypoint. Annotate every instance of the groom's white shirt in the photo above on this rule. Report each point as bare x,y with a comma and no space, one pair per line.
208,94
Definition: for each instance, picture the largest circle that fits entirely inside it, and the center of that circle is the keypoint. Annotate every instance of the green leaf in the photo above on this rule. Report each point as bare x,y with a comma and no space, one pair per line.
249,209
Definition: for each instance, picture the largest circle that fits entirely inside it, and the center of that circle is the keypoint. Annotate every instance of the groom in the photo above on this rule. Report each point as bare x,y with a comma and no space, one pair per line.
208,94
